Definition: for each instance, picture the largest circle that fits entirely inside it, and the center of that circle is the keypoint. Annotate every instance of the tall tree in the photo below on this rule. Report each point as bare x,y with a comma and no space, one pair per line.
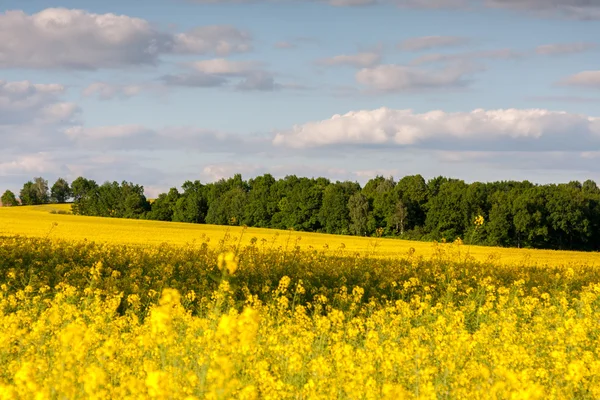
9,199
28,194
334,215
398,219
447,210
412,191
499,227
568,212
60,191
530,217
41,187
382,199
358,211
261,201
192,205
228,209
85,193
163,207
299,209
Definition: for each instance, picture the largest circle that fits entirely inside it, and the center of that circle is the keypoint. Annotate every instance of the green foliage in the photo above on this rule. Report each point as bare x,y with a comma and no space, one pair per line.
192,205
334,214
9,199
519,214
163,207
35,192
60,191
111,199
358,211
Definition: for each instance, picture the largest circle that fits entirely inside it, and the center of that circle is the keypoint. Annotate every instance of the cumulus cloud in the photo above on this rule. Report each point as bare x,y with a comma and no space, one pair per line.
77,39
243,75
398,78
564,48
218,39
523,129
32,115
25,101
590,79
431,42
363,59
36,163
221,66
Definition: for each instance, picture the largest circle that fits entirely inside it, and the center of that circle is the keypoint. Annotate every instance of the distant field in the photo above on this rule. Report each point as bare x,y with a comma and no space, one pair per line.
42,221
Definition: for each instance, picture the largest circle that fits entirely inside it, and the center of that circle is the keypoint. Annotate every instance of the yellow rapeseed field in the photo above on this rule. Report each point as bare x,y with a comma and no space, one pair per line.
140,310
38,221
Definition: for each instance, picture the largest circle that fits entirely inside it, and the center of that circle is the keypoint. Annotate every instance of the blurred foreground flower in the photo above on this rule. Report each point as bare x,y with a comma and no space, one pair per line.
228,261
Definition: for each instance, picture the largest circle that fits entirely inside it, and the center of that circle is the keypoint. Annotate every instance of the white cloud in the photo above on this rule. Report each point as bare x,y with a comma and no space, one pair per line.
430,42
438,129
397,78
32,115
109,91
218,39
363,59
28,164
77,39
221,66
564,48
245,75
589,79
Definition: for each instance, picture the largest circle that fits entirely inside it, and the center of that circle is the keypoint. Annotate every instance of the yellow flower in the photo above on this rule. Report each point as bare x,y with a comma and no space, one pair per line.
228,262
479,220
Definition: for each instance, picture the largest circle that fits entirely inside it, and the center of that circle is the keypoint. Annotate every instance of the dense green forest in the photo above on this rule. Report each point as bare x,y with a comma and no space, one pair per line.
517,214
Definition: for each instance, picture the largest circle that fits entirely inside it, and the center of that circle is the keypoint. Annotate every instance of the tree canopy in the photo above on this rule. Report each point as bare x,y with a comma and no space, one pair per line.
518,214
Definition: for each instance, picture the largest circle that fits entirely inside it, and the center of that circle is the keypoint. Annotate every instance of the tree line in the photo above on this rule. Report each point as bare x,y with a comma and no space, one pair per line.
516,214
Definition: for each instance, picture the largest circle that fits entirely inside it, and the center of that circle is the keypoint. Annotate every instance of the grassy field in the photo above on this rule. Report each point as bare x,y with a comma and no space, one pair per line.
39,221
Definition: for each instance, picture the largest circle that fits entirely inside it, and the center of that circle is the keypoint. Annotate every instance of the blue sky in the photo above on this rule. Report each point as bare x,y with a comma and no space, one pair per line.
162,91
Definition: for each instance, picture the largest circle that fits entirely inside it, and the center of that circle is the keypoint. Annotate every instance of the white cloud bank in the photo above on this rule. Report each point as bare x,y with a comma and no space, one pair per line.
493,129
77,39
